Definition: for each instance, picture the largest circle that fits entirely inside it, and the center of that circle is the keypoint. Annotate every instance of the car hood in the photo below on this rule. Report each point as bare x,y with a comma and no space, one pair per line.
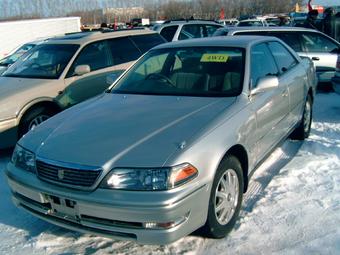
12,85
123,130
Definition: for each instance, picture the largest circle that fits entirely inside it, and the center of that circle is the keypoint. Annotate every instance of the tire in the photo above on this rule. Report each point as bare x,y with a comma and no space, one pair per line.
218,226
303,130
34,117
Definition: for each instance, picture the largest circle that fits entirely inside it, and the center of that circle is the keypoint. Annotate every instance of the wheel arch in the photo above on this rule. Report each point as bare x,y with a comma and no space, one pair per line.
41,102
311,94
241,154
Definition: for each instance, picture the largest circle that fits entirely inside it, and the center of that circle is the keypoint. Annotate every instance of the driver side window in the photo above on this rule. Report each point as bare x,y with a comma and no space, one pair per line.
261,64
95,55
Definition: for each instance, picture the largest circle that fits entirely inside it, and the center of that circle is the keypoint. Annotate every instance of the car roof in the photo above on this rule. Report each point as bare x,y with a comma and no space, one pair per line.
189,21
247,20
218,41
85,37
283,28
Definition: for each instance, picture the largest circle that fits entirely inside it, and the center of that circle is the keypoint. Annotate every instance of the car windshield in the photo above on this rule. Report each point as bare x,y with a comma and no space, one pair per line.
194,71
16,55
46,61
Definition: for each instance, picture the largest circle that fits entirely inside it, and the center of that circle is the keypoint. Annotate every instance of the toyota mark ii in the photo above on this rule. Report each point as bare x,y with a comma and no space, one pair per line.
169,148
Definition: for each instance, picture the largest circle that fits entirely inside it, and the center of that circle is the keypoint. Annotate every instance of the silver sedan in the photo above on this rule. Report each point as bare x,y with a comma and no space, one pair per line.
171,146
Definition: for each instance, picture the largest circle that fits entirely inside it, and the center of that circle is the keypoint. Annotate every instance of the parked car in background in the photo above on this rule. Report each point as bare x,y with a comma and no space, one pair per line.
62,72
252,23
171,146
13,57
177,30
320,48
228,22
336,78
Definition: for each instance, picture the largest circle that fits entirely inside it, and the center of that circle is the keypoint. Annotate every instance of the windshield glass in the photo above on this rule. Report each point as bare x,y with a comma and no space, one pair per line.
46,61
16,55
194,71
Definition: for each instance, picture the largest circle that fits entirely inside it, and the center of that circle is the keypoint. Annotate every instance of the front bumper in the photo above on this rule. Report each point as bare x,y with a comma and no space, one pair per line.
8,133
116,214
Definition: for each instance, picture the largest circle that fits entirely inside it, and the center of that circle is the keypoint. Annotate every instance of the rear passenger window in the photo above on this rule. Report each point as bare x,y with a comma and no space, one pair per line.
211,29
169,32
94,55
191,31
283,57
292,39
260,54
146,42
315,42
123,50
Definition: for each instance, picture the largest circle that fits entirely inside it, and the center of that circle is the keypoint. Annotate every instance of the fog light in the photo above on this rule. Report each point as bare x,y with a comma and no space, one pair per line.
165,225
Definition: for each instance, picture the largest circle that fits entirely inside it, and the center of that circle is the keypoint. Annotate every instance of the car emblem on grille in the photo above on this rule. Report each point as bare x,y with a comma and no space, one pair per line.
61,174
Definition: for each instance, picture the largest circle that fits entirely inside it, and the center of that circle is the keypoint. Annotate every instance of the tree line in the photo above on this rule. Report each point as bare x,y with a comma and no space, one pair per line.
91,11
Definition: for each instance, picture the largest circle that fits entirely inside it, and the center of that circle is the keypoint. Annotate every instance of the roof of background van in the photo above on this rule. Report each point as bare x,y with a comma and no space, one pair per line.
85,37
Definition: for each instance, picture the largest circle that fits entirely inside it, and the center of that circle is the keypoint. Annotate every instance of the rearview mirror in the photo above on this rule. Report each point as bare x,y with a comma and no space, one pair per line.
264,84
82,69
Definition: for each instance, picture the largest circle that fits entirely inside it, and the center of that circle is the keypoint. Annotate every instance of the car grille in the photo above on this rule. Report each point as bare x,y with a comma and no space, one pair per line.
67,176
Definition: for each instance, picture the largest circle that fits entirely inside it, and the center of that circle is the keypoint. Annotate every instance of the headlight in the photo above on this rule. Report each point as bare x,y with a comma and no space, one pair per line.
23,158
149,178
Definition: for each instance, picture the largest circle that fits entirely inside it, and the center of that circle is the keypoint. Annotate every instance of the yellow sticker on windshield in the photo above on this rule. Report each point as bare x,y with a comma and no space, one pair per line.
217,58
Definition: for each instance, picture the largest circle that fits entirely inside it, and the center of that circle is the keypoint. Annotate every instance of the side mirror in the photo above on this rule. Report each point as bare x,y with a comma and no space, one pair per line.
82,69
264,84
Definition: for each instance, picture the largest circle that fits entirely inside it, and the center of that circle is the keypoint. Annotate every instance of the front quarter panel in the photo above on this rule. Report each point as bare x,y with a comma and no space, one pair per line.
234,127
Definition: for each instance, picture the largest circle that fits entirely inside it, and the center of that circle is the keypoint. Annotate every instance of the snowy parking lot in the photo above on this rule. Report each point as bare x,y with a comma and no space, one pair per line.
292,206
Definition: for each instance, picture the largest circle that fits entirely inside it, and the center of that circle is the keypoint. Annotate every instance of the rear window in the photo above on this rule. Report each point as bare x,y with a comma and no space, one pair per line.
146,42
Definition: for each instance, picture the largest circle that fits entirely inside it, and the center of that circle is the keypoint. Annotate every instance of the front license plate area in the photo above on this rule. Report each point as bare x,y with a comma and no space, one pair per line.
63,208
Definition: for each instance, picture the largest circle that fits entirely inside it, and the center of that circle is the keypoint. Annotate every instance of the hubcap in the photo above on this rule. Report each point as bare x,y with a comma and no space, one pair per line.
226,196
307,117
36,121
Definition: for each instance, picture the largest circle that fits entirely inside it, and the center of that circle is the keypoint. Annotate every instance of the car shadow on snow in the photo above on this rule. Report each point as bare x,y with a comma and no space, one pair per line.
265,173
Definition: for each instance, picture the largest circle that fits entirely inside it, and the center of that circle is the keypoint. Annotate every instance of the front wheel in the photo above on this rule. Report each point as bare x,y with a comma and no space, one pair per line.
303,130
225,198
33,118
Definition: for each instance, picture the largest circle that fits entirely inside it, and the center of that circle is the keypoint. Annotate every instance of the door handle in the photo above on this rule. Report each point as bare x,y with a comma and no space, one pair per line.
315,58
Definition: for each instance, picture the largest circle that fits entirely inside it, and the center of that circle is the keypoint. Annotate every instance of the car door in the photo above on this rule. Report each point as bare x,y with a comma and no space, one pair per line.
323,51
270,107
114,57
292,75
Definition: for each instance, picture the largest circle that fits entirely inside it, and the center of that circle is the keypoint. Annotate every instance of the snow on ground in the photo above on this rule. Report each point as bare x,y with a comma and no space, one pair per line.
292,206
